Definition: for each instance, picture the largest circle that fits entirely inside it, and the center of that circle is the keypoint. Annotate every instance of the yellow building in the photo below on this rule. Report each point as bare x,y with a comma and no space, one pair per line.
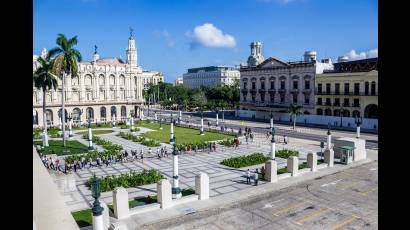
350,90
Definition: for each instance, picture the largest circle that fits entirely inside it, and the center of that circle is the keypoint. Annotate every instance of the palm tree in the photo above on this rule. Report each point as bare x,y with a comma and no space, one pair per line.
45,80
294,110
65,64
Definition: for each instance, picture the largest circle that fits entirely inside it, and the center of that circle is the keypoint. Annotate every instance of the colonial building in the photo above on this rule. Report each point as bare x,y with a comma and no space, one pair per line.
210,76
106,89
179,81
271,85
350,90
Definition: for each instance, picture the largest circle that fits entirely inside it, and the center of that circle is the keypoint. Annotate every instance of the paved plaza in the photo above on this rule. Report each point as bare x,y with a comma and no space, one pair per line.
222,179
344,200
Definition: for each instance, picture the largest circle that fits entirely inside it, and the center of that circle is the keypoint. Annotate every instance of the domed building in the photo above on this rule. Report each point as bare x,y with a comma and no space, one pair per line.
106,89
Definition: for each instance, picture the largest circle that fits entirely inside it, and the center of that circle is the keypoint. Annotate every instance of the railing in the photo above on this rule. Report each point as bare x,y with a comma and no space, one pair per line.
344,93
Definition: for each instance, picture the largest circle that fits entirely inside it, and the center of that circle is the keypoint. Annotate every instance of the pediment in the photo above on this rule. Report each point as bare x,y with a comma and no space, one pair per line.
272,62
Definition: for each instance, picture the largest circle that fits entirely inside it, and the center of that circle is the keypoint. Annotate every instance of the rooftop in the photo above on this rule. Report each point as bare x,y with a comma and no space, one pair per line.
363,65
211,69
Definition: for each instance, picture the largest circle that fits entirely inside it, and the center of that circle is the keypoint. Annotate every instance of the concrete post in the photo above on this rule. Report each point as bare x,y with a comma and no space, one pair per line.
155,117
358,131
202,186
45,138
312,161
180,117
329,141
106,215
132,125
271,171
293,165
61,124
329,157
164,193
98,222
120,203
175,185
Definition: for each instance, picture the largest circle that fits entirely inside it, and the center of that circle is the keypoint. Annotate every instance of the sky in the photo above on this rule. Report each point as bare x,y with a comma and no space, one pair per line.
174,35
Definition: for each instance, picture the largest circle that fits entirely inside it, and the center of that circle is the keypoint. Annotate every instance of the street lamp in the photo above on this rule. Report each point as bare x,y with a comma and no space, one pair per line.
90,135
98,222
329,138
132,122
176,191
271,120
273,144
217,118
322,145
358,120
70,132
341,116
201,131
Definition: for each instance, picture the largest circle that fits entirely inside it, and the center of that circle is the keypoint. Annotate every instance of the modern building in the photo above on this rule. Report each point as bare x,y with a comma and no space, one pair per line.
179,81
210,76
271,85
350,90
106,89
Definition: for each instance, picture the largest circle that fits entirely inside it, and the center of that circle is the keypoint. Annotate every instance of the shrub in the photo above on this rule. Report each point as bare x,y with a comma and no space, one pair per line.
37,133
286,153
140,139
243,161
127,180
227,142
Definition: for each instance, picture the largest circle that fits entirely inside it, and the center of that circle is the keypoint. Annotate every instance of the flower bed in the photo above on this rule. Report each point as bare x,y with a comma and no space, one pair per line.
227,142
127,180
243,161
286,153
140,139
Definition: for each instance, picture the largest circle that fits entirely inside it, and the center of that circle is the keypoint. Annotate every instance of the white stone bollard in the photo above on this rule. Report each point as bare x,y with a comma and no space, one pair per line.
293,165
164,195
105,214
70,128
98,222
312,161
358,131
120,203
329,157
271,171
202,186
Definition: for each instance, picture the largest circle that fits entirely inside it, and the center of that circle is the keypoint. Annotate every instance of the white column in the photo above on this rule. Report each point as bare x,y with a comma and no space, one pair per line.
70,132
45,138
329,140
132,124
271,122
176,193
202,126
60,124
180,117
90,139
172,132
98,222
272,150
217,120
358,131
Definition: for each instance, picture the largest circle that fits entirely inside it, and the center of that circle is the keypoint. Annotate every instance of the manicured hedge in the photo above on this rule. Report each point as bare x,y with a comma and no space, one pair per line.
140,139
286,153
243,161
127,180
227,142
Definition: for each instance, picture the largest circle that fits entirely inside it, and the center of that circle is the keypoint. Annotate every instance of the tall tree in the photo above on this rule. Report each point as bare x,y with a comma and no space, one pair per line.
294,110
66,60
45,80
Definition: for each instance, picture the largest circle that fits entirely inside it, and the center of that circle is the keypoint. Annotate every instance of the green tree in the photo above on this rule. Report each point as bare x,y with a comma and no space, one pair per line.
66,60
45,80
294,110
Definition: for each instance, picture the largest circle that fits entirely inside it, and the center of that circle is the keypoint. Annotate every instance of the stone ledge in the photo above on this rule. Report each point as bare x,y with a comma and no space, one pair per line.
144,208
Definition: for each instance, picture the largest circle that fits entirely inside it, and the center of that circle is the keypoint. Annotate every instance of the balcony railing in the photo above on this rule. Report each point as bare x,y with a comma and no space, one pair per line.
294,91
346,105
355,105
307,91
281,90
261,90
272,90
343,93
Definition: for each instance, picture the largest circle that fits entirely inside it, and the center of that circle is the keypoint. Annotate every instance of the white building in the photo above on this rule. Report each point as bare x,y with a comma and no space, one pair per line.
210,76
106,89
179,81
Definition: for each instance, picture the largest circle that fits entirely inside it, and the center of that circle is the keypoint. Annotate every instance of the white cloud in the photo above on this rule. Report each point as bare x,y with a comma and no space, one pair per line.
210,36
282,2
167,36
352,55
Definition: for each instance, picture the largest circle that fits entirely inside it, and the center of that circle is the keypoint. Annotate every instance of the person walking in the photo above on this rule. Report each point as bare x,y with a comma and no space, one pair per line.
166,152
285,139
247,138
142,156
251,136
214,146
255,177
248,176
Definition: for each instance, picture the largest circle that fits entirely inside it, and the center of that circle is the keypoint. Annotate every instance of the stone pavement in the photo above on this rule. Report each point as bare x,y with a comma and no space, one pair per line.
223,180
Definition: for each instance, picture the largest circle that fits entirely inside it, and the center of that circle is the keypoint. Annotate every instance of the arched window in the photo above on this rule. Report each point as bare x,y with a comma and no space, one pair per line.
75,81
35,117
76,114
49,117
328,112
122,80
112,80
88,80
90,113
373,88
319,112
103,113
101,80
123,112
366,88
356,113
113,112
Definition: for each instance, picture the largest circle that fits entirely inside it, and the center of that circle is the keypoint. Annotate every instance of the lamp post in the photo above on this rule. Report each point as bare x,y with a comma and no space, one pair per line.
70,128
217,118
271,120
322,145
329,139
180,117
358,120
90,135
98,221
171,138
341,117
201,131
132,123
113,120
273,144
176,191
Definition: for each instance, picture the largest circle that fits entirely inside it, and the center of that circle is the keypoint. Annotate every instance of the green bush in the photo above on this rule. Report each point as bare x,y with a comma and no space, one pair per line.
37,133
127,180
142,140
243,161
227,142
53,132
286,153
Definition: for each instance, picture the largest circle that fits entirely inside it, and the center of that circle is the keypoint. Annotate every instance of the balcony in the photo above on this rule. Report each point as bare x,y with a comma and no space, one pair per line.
272,90
252,91
261,91
307,91
355,105
244,90
294,91
281,90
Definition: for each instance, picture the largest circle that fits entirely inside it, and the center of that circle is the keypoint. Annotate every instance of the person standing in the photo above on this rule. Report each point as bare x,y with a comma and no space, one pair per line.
248,176
251,136
214,146
247,138
256,177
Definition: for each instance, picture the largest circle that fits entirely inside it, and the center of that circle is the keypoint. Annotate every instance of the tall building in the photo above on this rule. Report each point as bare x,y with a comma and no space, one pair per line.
105,89
271,85
350,90
179,81
210,76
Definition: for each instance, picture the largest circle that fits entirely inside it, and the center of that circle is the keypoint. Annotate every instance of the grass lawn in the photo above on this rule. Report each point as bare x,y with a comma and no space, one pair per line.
74,146
183,135
96,132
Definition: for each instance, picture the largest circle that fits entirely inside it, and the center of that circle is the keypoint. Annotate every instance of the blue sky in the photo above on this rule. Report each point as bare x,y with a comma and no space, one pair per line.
174,35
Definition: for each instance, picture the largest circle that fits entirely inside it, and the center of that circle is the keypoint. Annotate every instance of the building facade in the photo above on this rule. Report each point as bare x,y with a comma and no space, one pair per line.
105,89
210,76
271,85
350,90
179,81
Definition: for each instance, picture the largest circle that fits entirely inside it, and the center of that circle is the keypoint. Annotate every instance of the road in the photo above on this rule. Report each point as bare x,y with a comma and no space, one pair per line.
314,134
343,200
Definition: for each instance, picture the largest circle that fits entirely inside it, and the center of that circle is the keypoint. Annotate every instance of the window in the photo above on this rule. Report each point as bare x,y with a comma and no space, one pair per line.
346,102
356,102
373,89
307,84
282,84
319,101
262,84
328,101
295,98
295,84
328,88
337,102
272,97
366,88
245,85
253,85
253,97
319,112
346,88
262,97
306,99
337,88
272,85
319,88
356,88
282,98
